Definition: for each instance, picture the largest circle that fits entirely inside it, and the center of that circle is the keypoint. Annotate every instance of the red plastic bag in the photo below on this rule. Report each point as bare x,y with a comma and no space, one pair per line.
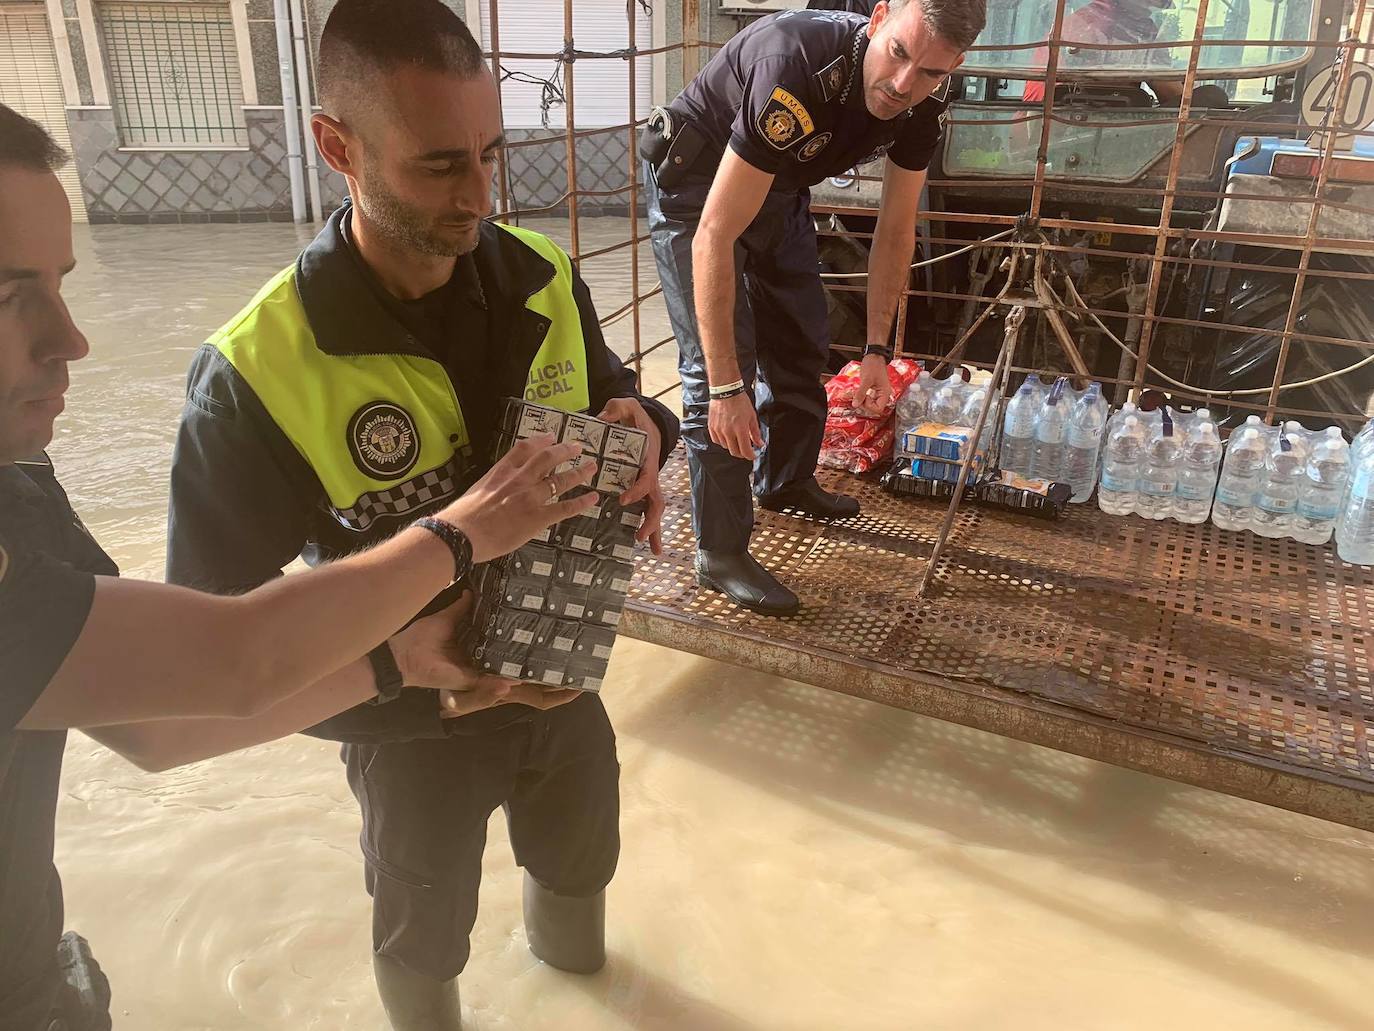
859,442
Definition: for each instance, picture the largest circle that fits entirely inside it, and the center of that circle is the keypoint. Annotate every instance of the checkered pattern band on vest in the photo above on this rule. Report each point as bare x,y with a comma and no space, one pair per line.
405,498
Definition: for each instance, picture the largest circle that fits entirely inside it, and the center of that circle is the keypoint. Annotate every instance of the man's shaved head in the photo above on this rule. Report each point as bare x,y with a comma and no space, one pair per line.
365,39
412,119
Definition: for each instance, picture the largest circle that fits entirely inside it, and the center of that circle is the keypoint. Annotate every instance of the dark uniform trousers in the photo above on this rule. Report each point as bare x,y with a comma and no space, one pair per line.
425,806
781,335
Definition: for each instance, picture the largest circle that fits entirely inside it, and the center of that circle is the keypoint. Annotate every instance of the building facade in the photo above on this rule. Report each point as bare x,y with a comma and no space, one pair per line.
172,109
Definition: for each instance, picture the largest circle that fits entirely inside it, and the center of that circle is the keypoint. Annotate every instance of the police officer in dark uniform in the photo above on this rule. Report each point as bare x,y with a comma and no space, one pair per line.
794,98
80,648
359,389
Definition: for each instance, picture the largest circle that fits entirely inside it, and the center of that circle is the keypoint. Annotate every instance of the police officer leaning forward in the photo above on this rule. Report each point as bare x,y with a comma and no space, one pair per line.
82,649
361,387
794,98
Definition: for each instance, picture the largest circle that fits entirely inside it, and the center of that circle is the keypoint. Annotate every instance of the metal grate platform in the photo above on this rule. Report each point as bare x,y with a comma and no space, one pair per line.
1215,658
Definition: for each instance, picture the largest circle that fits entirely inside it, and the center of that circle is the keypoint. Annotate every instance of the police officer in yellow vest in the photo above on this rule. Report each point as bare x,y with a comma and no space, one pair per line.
360,389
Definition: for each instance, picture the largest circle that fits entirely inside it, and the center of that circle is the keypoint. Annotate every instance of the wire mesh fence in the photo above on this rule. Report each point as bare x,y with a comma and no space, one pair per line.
1186,234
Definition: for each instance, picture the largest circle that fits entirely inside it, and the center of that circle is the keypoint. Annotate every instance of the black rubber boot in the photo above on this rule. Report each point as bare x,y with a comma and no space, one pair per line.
414,1002
565,932
746,583
810,498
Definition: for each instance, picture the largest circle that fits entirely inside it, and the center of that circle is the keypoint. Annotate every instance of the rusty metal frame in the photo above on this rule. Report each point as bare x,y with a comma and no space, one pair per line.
1024,715
1357,39
1016,715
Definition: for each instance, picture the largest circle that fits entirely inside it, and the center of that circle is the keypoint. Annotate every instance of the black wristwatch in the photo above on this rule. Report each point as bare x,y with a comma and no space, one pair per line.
456,540
386,673
879,349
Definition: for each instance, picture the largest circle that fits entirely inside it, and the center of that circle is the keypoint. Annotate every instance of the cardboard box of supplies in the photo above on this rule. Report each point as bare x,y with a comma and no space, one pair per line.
938,447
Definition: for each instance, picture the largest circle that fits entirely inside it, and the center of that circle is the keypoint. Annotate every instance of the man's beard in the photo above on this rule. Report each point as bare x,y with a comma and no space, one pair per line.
404,225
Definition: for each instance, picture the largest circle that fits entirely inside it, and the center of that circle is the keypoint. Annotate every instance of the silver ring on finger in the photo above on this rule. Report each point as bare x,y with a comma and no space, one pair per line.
553,489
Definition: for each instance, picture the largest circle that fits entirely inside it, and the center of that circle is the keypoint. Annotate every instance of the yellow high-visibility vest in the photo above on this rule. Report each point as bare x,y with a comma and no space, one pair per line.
385,433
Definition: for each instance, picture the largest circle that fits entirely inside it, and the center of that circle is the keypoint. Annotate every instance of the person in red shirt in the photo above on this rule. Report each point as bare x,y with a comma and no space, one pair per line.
1110,22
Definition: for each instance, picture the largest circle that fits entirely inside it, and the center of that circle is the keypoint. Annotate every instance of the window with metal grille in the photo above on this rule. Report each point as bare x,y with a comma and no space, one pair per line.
174,74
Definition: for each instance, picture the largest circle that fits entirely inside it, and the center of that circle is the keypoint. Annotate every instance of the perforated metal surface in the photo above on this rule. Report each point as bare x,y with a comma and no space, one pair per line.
1173,645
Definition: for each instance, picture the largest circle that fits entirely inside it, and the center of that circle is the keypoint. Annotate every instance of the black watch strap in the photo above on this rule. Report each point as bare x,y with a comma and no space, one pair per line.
386,673
880,349
456,540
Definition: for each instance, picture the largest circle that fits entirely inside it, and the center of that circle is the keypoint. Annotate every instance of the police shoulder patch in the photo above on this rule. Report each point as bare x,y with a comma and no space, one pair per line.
383,440
784,120
814,146
832,77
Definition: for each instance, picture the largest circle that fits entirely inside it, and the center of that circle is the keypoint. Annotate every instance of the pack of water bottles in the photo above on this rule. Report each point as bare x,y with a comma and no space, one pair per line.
1287,481
1160,464
1053,434
935,424
1282,481
1355,524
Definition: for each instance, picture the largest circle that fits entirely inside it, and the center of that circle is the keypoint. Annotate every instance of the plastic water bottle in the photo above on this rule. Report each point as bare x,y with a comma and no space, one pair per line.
1197,472
1118,417
913,407
1355,530
1323,490
1038,388
1051,427
1358,447
1116,495
1159,475
948,402
1277,503
973,404
1234,508
1085,437
1363,440
1018,431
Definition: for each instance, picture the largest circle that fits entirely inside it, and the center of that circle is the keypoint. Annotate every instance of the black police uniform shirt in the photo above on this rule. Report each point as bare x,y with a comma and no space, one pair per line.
244,502
786,94
48,564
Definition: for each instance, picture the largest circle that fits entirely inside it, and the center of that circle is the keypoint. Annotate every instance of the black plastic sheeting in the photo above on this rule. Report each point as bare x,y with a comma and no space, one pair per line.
1330,307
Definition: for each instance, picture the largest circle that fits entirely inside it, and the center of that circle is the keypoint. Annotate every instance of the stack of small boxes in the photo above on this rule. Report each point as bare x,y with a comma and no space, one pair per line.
547,614
939,448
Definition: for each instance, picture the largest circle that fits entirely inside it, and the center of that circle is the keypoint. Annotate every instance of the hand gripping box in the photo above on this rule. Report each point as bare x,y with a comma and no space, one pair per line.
547,614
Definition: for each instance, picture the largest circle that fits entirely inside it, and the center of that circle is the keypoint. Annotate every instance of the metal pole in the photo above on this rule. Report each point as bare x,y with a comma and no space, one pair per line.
570,121
1346,57
290,119
1015,318
632,167
312,164
494,34
1166,214
1042,154
899,330
691,49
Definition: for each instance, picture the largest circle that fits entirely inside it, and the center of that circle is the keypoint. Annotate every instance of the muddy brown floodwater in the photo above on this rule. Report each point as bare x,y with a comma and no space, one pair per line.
793,858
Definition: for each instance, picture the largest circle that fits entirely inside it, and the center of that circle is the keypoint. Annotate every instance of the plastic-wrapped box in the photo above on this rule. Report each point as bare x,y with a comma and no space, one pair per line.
584,430
858,442
1038,498
547,613
938,446
1034,497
